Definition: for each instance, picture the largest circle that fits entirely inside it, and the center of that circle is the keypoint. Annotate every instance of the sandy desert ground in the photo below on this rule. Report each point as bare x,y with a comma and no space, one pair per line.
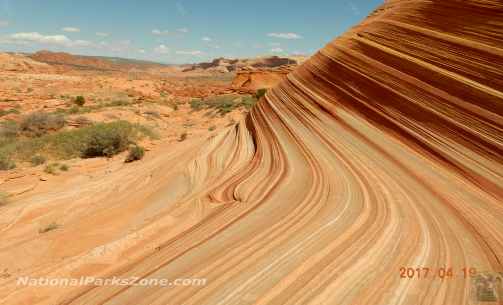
383,151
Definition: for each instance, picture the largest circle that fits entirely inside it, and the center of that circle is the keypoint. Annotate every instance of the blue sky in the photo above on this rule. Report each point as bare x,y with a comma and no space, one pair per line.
177,31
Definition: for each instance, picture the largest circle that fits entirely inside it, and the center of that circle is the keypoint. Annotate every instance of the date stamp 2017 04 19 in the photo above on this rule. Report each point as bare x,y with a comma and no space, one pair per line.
438,273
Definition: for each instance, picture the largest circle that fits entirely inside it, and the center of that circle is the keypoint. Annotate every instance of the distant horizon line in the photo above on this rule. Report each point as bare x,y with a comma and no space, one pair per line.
157,62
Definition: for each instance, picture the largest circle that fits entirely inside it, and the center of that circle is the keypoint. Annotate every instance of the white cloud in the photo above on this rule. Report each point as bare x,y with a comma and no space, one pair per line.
142,51
207,39
277,50
116,46
162,49
35,37
81,43
193,53
285,35
70,29
4,23
167,32
9,40
160,32
102,34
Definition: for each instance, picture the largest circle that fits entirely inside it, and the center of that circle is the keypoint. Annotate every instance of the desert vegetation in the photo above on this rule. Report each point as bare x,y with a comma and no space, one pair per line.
82,109
55,167
7,112
260,93
224,104
51,115
135,153
37,160
183,137
39,124
79,101
36,140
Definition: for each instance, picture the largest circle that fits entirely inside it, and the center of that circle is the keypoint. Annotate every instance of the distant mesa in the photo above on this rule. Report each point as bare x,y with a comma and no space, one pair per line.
224,65
13,62
70,61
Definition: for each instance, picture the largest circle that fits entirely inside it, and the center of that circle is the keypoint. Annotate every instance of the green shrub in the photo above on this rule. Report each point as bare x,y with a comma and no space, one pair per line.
225,103
106,140
103,139
6,163
6,112
146,131
135,153
23,149
248,101
226,108
8,130
37,124
51,169
74,110
38,160
196,104
260,93
212,128
80,101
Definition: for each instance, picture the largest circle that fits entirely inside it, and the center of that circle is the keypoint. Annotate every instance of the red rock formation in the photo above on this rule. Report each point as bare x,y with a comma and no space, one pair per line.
71,61
229,65
251,79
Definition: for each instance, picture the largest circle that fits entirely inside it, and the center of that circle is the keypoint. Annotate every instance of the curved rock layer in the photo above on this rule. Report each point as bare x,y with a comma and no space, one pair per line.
382,152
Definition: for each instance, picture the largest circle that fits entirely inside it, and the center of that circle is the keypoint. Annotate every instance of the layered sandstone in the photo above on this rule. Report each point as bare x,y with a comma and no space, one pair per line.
252,79
383,151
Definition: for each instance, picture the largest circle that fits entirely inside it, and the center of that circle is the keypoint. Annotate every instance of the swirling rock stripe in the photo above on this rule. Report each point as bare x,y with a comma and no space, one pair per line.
383,151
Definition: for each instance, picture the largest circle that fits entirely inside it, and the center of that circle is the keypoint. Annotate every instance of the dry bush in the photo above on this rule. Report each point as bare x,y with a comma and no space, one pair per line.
38,124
